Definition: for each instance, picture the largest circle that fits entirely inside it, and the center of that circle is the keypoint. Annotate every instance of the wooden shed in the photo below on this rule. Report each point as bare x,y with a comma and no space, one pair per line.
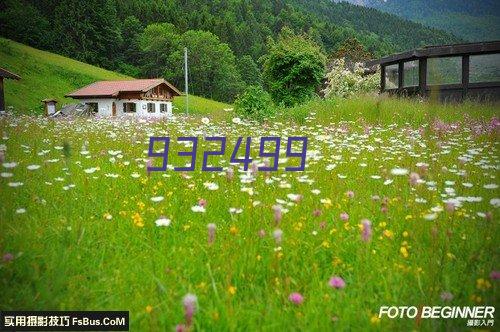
449,72
4,73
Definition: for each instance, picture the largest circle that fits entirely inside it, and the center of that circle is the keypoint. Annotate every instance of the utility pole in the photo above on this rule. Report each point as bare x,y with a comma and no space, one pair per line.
186,78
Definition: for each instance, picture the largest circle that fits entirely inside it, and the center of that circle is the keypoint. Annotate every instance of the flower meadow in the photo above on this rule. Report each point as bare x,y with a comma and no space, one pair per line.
384,214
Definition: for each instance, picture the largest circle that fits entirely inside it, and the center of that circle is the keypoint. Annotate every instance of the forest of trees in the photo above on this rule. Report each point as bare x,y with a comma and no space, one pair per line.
227,39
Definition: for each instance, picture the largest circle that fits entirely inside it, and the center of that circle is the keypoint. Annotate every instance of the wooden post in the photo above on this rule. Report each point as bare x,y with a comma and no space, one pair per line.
465,76
400,76
382,78
2,98
422,76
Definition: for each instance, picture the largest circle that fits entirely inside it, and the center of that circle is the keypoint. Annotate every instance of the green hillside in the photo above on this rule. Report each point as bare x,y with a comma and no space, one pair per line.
48,75
44,75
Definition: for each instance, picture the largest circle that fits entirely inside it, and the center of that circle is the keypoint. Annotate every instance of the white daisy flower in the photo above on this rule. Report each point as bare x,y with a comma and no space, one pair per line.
198,208
399,171
163,222
10,165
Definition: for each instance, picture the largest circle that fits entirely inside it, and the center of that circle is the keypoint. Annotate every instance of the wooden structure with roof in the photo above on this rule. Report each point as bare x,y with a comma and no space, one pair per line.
449,72
4,73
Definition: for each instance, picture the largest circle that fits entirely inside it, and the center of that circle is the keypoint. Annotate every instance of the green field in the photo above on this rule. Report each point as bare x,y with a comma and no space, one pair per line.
48,75
79,219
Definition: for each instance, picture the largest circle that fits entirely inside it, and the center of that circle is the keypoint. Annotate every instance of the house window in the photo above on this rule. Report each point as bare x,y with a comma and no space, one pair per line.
93,107
447,70
410,73
484,68
129,108
151,108
163,108
391,76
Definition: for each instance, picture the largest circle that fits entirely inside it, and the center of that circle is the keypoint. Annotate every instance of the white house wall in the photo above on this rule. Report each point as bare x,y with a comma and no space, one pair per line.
105,107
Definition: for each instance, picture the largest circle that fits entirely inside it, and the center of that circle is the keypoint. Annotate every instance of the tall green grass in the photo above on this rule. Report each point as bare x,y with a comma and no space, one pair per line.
387,110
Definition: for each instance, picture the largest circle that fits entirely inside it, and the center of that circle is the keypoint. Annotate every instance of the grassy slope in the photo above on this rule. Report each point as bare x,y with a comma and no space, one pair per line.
48,75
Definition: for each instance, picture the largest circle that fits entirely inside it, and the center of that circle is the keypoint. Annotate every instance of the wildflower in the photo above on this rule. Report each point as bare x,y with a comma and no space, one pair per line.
495,275
236,120
205,121
489,215
336,282
211,233
482,284
262,233
231,290
157,199
326,202
254,168
32,167
344,216
350,194
446,296
138,220
163,222
233,230
7,257
277,213
399,171
495,202
198,208
189,302
181,328
21,211
235,210
149,165
91,170
317,213
295,197
9,165
107,216
404,252
296,298
374,319
366,231
229,173
278,235
414,179
149,309
450,206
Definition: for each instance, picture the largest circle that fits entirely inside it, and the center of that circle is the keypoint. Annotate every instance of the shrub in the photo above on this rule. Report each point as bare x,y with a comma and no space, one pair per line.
342,82
254,103
293,69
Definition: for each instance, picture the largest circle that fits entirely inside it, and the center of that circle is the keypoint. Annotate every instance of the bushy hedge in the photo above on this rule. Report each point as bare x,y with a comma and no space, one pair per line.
254,103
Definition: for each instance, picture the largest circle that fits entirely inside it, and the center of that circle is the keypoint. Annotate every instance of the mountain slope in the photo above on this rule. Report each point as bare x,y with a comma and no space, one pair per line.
474,20
48,75
401,33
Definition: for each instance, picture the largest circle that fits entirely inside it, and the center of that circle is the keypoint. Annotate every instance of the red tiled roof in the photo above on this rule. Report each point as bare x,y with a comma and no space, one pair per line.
113,88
